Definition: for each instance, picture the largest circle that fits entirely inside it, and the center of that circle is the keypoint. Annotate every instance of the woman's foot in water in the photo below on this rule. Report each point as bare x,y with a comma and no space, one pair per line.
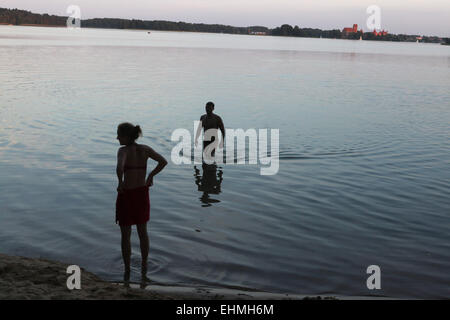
126,275
144,277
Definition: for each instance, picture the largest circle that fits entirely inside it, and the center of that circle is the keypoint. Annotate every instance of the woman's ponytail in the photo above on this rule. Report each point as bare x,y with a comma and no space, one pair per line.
137,132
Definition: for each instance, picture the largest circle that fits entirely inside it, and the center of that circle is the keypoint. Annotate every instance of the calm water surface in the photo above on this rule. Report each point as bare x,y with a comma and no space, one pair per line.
364,157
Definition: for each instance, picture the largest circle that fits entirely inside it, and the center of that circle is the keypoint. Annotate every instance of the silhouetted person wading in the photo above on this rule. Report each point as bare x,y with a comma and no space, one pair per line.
208,121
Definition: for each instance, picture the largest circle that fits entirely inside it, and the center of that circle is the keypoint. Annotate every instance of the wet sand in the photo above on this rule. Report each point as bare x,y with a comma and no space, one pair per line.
31,278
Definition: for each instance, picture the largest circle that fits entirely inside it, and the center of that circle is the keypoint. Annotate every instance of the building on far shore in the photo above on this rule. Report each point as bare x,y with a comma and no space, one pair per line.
258,33
351,30
351,33
381,33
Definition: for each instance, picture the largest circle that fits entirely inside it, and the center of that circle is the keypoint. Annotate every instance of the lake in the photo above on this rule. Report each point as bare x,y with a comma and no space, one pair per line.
364,160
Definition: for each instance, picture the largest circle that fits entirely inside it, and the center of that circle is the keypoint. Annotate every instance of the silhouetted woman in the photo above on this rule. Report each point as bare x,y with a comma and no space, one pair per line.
133,201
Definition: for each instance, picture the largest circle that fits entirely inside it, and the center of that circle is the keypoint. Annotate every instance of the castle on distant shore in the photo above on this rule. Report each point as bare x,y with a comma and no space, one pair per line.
347,31
351,30
381,33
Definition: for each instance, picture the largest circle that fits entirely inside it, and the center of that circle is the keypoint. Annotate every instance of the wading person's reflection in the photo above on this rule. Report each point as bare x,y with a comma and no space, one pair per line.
209,183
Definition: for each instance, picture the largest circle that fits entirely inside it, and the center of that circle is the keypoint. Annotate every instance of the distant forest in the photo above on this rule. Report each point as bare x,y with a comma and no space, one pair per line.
22,17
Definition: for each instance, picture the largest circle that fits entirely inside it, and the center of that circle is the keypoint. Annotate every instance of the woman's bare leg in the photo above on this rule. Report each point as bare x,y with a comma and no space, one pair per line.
126,250
144,242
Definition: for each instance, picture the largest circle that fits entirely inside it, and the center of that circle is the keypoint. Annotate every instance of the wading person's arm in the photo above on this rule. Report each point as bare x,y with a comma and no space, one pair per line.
162,162
121,155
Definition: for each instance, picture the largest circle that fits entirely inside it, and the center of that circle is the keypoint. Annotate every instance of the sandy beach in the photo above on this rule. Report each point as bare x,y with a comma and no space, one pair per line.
31,278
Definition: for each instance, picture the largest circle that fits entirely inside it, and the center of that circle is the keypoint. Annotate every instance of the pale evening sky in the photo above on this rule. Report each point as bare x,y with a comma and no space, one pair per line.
425,17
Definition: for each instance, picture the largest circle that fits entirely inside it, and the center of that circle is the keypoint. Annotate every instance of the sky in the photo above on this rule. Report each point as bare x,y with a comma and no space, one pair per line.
423,17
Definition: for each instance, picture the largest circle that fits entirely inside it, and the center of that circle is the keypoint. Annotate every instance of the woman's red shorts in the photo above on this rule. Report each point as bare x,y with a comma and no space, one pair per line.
133,206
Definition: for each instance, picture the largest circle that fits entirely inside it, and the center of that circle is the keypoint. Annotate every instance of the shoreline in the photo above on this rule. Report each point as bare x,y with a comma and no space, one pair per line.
202,32
24,278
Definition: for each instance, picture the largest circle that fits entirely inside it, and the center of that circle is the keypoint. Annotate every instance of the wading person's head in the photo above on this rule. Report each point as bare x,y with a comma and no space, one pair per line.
209,107
128,133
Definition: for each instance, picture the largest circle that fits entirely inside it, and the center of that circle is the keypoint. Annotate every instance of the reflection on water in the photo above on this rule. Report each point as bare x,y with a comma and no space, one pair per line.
208,182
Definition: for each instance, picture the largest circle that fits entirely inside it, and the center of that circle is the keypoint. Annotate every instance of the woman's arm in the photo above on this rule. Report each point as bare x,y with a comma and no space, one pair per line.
162,162
121,155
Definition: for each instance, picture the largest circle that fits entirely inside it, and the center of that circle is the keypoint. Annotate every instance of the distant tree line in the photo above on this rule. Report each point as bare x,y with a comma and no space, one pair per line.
22,17
289,31
18,17
446,41
167,26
